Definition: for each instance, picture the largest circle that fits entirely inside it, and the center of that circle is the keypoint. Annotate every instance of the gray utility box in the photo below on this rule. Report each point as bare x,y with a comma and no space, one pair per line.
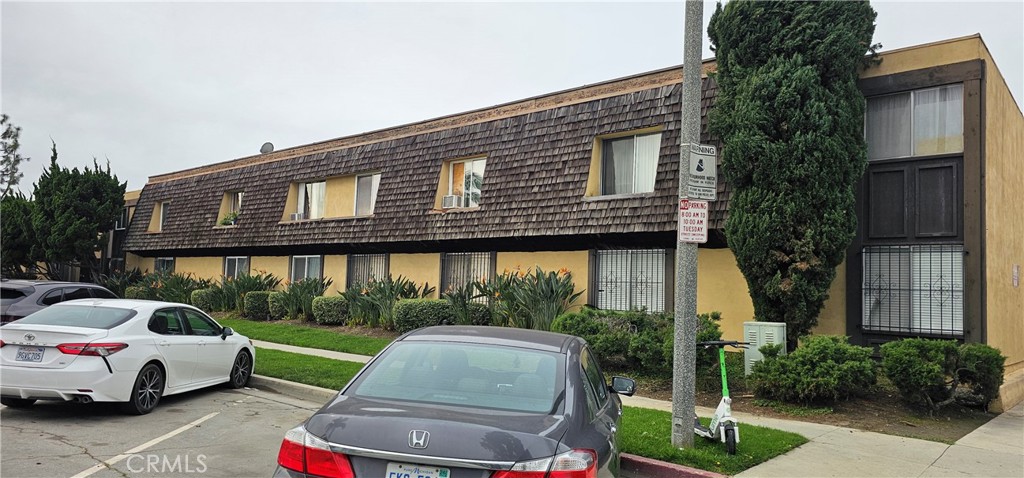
758,334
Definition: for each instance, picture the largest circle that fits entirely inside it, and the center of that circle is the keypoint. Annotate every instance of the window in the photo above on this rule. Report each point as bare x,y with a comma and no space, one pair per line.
366,193
122,221
102,293
466,181
164,207
592,372
461,268
164,264
304,267
199,324
236,266
166,322
234,201
914,289
310,200
73,293
630,164
52,297
631,279
363,268
917,123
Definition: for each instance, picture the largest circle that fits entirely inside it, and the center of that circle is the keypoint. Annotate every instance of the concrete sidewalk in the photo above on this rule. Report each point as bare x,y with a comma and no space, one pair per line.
995,449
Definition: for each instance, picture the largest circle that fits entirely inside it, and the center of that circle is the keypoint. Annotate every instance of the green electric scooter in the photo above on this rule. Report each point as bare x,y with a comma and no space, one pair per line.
723,426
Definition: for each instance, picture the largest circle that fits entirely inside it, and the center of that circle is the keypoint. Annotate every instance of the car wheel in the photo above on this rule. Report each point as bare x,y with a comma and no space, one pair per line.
730,440
149,387
17,402
241,370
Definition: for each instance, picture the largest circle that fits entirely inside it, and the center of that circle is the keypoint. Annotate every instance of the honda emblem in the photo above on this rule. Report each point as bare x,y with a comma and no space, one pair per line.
419,439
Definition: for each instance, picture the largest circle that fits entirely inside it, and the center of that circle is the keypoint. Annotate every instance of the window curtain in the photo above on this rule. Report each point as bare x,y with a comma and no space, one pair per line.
374,186
648,148
474,181
315,199
618,166
937,284
888,126
365,192
886,288
939,120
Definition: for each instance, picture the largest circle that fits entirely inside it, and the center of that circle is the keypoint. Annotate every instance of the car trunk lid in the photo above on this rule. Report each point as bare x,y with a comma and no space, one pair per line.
35,345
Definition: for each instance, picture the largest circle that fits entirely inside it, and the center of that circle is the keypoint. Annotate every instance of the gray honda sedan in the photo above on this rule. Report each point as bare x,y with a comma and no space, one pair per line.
461,402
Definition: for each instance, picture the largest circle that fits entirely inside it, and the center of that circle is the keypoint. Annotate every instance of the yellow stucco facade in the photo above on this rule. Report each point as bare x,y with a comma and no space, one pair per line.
336,267
144,264
211,268
419,268
576,262
277,265
1004,222
340,197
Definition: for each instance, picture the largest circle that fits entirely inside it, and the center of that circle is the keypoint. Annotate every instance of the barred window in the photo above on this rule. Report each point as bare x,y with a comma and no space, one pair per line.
631,279
461,268
362,268
914,289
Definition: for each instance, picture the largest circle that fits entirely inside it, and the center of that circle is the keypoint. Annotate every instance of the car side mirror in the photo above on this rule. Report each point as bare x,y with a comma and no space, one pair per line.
623,386
225,332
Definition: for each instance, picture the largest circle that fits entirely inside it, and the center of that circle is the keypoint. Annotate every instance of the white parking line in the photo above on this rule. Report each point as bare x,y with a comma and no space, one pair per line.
106,464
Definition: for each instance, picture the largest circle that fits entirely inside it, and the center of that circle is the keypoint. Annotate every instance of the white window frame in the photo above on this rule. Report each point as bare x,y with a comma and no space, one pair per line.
300,202
374,188
470,165
235,201
122,221
605,142
235,274
912,105
305,267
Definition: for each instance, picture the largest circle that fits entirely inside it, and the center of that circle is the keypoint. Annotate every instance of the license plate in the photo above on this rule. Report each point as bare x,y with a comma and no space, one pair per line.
29,354
405,470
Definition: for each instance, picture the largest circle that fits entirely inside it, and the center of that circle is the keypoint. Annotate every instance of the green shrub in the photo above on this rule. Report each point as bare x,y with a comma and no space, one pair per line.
236,288
331,310
531,300
119,281
298,297
276,305
206,299
411,314
936,373
257,305
139,292
823,369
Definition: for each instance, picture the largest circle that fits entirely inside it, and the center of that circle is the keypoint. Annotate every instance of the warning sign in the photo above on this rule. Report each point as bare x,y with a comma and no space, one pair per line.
703,182
693,221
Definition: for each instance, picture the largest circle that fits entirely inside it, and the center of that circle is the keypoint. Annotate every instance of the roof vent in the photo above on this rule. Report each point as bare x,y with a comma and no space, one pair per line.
267,147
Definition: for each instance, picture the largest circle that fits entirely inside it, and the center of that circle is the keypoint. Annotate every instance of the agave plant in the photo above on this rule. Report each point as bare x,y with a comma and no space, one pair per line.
235,288
541,297
460,298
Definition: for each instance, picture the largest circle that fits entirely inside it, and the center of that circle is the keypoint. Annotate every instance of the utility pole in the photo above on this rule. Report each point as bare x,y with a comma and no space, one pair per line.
685,350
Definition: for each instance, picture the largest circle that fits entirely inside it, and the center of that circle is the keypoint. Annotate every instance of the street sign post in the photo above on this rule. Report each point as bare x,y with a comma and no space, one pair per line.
703,181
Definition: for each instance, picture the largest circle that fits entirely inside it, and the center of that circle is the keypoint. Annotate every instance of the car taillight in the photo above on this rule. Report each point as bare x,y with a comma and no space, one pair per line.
305,453
2,343
573,464
96,350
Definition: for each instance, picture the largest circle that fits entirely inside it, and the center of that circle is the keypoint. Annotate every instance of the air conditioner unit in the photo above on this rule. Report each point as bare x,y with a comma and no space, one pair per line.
298,216
758,334
448,202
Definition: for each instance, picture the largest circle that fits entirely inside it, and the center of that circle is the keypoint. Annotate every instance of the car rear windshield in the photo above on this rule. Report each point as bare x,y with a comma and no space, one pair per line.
467,375
79,316
10,296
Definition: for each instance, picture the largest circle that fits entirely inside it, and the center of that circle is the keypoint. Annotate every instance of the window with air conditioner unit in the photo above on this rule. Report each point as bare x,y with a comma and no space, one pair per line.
465,183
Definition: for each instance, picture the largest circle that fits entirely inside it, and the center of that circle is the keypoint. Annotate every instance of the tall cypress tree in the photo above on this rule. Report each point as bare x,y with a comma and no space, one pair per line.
791,121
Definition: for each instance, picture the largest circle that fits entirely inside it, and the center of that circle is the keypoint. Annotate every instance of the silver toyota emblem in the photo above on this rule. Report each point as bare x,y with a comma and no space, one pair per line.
419,439
30,337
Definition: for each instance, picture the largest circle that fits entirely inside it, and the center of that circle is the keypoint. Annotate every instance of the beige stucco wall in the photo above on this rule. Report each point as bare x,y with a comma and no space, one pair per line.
200,267
340,198
721,287
576,262
832,319
336,267
418,268
277,265
926,56
144,264
1004,221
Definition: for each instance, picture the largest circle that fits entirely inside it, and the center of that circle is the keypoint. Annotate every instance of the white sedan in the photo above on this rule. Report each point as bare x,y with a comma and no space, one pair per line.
114,350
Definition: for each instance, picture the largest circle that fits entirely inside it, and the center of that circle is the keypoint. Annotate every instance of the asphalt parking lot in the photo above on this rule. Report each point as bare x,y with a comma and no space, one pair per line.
215,432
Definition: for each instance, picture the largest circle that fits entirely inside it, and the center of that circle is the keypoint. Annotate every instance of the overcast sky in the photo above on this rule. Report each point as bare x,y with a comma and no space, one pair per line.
158,87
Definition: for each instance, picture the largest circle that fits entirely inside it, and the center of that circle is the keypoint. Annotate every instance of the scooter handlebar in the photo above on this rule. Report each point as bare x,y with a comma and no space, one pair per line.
723,343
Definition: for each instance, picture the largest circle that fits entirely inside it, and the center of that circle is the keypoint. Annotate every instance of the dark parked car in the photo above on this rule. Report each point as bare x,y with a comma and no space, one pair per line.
19,298
460,402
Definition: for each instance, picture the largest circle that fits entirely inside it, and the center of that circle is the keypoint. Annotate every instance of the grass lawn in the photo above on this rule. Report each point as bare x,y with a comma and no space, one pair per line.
648,433
643,432
307,369
302,336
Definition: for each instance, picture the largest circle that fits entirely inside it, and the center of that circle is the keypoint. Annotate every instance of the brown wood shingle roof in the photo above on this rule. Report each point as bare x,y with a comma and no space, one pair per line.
537,168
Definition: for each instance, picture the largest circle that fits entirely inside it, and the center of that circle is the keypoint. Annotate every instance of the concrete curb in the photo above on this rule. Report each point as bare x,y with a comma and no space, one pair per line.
645,467
293,389
649,468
